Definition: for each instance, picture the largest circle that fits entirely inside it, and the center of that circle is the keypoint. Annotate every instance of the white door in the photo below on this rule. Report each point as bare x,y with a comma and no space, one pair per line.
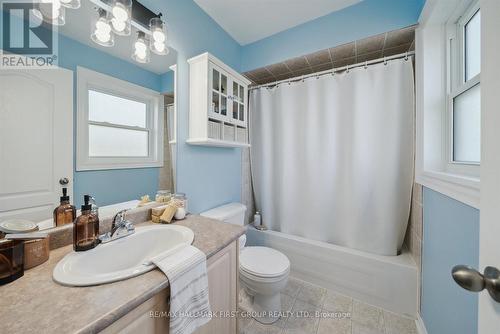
36,141
489,254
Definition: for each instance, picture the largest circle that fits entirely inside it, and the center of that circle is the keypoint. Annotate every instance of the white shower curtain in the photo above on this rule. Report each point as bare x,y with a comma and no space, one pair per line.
332,157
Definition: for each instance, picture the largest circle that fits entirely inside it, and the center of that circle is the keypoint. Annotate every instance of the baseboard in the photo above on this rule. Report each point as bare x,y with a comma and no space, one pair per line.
420,325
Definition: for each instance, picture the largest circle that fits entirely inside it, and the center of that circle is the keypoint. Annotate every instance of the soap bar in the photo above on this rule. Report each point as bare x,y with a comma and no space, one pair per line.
168,214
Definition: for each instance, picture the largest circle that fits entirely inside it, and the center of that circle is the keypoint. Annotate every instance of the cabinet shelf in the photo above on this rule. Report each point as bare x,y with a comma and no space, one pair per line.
218,95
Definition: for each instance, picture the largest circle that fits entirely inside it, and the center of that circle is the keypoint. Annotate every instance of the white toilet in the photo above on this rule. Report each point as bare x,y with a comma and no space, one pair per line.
263,270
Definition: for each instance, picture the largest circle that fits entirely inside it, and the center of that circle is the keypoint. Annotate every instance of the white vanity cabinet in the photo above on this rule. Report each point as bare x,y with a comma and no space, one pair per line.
222,272
218,94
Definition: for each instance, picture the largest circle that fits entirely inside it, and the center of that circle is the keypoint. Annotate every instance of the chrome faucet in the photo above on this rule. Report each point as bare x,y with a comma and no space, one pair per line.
119,228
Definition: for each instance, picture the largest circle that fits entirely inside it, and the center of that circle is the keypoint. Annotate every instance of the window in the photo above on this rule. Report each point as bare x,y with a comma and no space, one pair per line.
464,92
448,106
117,124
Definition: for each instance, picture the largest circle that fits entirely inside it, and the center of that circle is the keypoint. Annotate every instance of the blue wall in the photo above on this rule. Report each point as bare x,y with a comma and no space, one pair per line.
167,82
451,237
209,176
367,18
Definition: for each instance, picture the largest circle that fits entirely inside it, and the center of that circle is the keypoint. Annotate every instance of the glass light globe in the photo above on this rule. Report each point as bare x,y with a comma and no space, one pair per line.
119,12
102,27
118,25
159,46
140,46
103,37
159,35
101,30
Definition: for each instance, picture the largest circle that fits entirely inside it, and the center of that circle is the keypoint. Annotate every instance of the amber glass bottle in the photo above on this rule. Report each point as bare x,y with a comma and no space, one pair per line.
65,213
86,228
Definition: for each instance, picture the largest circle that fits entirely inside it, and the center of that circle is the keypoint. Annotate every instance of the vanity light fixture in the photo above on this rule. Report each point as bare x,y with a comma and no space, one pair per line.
115,17
158,38
141,52
102,33
122,16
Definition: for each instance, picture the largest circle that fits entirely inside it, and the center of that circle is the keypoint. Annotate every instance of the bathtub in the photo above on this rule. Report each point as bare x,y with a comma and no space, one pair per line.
389,282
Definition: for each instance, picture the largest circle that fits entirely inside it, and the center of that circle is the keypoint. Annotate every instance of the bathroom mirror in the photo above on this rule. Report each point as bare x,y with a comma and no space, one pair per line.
99,123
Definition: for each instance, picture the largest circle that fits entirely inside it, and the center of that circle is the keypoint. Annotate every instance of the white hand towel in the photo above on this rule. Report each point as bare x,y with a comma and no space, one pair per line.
186,270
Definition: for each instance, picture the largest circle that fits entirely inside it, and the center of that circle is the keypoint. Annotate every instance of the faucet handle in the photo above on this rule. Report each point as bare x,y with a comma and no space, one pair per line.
120,215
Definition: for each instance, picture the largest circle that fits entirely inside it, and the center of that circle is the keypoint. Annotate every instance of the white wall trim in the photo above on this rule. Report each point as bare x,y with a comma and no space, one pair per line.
90,79
419,322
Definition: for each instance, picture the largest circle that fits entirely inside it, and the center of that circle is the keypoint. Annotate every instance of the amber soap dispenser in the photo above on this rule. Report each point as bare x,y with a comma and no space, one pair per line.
65,213
86,228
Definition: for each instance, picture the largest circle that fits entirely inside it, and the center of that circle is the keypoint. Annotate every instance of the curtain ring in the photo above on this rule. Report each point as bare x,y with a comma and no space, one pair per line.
347,70
406,56
333,73
366,64
385,61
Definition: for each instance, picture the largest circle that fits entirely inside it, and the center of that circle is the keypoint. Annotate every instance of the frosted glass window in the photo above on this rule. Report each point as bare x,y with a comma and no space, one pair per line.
467,126
116,110
107,141
473,46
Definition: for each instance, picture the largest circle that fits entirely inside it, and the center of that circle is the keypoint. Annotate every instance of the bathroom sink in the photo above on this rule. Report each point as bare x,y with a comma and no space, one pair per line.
122,258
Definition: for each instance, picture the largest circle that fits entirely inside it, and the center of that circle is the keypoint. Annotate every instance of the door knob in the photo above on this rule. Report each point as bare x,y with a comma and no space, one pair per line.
472,280
63,181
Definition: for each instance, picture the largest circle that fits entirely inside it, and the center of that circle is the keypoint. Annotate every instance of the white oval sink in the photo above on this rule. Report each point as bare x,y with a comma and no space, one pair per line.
122,258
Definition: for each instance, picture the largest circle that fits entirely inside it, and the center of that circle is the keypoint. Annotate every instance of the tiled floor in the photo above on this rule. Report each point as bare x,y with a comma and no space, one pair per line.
352,316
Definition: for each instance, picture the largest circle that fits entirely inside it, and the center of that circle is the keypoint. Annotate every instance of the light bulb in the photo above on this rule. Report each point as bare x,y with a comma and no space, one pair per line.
102,27
140,46
103,37
118,25
120,13
159,35
159,46
140,54
102,31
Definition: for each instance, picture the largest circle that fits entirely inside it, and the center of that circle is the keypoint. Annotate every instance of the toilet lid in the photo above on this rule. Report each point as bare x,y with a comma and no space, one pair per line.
263,261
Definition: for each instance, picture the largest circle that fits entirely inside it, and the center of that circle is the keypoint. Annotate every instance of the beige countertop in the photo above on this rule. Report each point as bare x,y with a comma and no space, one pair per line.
35,303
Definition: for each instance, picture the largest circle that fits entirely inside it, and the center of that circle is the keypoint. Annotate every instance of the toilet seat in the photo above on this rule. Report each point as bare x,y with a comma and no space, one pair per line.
263,263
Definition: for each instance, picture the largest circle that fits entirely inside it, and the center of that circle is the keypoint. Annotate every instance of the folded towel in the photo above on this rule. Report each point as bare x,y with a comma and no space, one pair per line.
186,270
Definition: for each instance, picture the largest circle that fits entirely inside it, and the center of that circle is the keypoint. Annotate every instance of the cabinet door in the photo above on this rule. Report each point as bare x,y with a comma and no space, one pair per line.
219,92
222,282
238,103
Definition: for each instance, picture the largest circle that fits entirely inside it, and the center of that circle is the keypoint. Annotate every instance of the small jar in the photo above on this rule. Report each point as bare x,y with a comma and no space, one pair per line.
183,199
163,196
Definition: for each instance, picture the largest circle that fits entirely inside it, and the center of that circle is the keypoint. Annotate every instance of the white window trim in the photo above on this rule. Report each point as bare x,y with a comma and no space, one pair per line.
432,99
456,83
87,79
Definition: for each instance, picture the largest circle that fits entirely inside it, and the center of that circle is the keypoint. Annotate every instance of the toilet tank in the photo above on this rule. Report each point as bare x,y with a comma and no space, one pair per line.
233,213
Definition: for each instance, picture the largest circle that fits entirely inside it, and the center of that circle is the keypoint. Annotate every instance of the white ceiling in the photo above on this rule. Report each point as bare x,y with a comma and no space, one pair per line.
248,21
78,27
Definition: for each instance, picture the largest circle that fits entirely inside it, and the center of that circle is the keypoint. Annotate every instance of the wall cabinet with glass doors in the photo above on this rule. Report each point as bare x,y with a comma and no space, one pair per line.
217,103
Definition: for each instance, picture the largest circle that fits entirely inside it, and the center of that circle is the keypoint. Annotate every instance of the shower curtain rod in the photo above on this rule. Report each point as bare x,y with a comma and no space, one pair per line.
337,69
